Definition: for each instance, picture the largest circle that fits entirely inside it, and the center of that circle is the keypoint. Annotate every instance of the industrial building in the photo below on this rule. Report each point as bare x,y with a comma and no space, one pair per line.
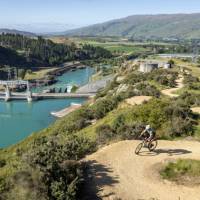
149,66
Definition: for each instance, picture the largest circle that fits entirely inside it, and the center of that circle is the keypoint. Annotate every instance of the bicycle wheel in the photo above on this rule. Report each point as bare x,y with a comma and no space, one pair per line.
152,145
138,148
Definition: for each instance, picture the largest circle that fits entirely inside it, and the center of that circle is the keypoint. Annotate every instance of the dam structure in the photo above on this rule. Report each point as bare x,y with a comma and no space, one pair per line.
8,95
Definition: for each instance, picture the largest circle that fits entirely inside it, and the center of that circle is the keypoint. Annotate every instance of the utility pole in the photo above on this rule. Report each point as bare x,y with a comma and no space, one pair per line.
16,73
28,52
9,73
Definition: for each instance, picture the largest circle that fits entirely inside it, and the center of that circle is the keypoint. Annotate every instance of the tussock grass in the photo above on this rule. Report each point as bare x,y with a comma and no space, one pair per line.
182,171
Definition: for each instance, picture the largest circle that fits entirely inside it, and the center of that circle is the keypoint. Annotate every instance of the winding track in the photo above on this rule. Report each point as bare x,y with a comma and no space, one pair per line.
120,174
170,92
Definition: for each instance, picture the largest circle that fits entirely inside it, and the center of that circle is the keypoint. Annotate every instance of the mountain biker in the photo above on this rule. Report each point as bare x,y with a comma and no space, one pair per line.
149,133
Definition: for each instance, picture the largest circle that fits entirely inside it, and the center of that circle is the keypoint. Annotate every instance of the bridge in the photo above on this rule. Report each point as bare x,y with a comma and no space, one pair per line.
29,96
40,96
86,91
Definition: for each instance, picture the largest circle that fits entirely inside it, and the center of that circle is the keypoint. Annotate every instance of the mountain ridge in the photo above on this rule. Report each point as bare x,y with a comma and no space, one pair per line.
14,31
145,26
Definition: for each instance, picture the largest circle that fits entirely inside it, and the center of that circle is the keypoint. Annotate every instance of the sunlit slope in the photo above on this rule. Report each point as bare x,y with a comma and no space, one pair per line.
146,26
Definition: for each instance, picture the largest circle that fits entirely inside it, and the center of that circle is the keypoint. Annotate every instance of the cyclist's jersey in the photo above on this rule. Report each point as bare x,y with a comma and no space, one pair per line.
151,132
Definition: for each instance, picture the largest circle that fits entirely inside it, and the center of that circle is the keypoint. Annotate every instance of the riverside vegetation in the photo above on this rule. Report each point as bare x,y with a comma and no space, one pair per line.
47,165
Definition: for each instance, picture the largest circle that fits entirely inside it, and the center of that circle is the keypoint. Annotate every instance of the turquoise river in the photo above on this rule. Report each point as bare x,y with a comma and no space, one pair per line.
18,119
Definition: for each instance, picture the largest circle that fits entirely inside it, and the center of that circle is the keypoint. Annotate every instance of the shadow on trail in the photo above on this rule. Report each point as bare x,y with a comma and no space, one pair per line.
169,152
96,176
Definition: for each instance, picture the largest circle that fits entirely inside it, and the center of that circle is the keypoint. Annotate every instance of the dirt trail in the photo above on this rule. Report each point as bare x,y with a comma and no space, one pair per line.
169,92
137,100
120,174
196,110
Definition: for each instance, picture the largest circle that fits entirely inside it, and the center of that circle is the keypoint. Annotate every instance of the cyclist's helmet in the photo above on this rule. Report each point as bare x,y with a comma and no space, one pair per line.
148,126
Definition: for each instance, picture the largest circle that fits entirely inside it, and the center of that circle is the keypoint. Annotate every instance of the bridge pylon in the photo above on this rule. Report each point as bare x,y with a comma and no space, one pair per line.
29,93
7,93
29,96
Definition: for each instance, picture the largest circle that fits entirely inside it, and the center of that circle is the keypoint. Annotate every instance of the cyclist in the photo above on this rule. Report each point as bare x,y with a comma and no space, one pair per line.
149,133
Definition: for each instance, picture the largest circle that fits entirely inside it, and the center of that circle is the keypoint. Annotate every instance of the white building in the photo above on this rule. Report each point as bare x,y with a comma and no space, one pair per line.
148,67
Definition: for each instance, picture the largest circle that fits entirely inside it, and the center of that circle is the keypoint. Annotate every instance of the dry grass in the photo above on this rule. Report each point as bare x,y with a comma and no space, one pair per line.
38,74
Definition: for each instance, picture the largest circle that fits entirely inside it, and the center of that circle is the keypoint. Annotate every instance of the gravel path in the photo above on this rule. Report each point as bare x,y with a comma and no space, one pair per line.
196,110
169,92
137,100
120,174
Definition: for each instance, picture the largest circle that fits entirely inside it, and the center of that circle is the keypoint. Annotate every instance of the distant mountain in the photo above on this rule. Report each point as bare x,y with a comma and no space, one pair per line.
146,26
13,31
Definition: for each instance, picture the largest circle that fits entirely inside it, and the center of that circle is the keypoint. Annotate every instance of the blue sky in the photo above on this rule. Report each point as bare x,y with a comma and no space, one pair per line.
84,12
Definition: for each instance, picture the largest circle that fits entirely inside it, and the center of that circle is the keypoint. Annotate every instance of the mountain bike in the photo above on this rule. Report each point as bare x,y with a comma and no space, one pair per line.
151,145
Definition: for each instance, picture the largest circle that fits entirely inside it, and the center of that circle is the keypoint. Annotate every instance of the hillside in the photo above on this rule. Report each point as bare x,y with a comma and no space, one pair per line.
46,165
146,27
13,31
41,52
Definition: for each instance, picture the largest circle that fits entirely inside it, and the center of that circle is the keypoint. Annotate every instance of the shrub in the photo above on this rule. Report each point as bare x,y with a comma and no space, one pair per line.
74,88
104,134
134,78
182,171
189,99
118,123
171,62
128,132
163,77
76,147
180,118
169,118
103,106
189,79
2,163
4,186
74,122
55,159
147,90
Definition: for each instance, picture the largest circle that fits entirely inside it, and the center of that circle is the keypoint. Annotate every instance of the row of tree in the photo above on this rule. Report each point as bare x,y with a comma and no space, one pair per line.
46,52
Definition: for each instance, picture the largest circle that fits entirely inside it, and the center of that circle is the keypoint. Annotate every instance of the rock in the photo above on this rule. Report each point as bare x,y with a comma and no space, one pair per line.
122,88
120,79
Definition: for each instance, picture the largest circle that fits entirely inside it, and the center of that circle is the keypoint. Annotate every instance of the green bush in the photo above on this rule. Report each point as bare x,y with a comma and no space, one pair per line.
147,90
164,77
2,163
129,132
104,134
103,106
74,88
189,99
169,118
118,123
55,159
189,79
182,171
4,186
